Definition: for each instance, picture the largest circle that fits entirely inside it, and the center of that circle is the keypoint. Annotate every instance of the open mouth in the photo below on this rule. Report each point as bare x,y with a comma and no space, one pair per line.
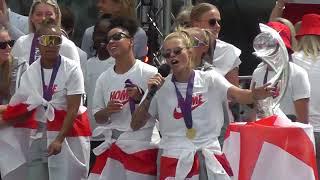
173,62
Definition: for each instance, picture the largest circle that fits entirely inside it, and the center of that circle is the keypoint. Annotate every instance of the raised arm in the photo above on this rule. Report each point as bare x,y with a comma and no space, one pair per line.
141,114
277,10
246,96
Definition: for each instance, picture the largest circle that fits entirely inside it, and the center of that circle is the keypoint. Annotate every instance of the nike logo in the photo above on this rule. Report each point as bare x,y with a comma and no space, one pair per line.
196,102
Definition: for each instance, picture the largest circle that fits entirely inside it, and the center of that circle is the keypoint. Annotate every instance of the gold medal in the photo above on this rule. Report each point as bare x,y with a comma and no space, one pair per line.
191,133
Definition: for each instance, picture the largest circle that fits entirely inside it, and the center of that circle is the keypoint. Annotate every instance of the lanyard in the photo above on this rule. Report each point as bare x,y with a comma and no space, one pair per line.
48,90
265,79
132,103
185,104
34,45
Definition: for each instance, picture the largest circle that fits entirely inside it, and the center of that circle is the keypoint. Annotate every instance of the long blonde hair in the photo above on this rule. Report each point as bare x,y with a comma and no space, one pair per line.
208,57
52,3
286,22
5,70
310,45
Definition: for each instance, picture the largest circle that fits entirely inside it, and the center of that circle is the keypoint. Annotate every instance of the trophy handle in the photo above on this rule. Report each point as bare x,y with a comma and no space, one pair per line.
270,48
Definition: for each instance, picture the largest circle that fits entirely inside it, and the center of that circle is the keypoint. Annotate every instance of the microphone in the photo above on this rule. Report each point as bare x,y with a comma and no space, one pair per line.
164,70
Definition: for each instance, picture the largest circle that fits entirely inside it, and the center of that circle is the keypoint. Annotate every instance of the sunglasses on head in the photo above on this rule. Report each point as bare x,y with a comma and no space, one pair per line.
4,45
213,22
198,43
50,40
117,37
166,53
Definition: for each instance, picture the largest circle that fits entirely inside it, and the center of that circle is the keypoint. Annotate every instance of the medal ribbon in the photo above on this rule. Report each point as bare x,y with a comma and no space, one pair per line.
132,102
186,104
33,49
48,90
265,79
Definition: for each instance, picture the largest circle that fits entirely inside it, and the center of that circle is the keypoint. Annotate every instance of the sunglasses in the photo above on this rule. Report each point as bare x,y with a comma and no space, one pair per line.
198,43
167,52
213,22
117,37
4,45
50,40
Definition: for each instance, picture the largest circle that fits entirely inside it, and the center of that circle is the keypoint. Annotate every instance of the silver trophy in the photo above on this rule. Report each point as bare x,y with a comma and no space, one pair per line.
270,48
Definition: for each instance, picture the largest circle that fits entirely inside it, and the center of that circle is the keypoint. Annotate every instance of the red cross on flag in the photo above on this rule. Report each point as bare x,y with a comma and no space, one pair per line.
271,148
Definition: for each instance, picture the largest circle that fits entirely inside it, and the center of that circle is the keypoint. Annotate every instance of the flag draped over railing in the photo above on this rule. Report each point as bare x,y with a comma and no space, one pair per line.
271,148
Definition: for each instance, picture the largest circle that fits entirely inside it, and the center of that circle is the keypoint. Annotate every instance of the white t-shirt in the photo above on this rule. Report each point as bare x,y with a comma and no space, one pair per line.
69,81
209,91
225,57
22,47
83,58
312,66
111,86
93,69
298,85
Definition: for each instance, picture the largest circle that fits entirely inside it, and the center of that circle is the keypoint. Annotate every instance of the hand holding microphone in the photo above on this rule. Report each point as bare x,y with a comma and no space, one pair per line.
157,81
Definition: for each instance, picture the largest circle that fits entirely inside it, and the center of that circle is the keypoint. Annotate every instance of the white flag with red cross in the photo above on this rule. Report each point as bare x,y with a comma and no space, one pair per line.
271,148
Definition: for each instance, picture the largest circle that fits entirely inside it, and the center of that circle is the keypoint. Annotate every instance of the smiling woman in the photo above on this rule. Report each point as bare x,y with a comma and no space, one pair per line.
113,105
118,8
26,48
6,67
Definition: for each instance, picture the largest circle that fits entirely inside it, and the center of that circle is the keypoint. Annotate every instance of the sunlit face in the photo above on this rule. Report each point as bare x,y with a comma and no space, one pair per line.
119,42
5,53
177,55
210,20
41,12
108,6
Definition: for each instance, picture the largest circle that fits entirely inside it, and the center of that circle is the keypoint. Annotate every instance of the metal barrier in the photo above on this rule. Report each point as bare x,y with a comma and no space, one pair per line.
156,18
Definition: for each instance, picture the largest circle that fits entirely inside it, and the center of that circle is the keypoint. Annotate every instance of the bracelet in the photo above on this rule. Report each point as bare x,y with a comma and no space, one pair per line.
280,7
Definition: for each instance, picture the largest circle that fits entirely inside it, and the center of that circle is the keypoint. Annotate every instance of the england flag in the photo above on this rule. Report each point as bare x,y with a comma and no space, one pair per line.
295,9
271,148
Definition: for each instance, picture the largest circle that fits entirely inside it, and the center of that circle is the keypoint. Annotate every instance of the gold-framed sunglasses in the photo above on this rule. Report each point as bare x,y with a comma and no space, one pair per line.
50,40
